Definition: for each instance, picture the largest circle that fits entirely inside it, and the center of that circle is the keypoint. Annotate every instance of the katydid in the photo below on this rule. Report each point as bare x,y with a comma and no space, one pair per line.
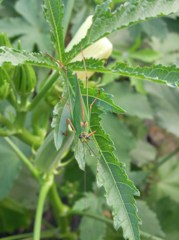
80,116
79,111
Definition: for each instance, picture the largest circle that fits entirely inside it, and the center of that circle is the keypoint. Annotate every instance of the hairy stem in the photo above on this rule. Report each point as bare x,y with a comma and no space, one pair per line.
45,186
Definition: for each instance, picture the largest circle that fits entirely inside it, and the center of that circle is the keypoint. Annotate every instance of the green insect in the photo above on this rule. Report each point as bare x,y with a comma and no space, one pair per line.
77,112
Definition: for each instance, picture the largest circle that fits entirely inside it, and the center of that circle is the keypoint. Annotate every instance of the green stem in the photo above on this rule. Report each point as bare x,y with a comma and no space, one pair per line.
91,215
45,234
12,99
23,158
59,209
20,120
5,133
45,186
29,138
50,81
149,236
110,222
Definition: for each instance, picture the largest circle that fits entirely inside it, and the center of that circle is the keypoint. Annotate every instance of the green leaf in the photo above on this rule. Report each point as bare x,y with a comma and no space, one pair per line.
126,15
119,189
13,216
167,184
134,103
150,222
164,102
89,227
145,55
54,11
92,64
103,100
10,167
143,153
61,113
155,28
31,27
157,73
16,57
80,154
167,212
122,137
19,194
168,48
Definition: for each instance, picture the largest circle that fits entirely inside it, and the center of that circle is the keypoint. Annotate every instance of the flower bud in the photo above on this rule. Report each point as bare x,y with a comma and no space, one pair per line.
24,79
4,41
101,49
4,84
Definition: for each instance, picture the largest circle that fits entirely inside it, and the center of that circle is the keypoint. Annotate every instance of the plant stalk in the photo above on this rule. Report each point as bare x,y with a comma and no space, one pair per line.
29,138
60,210
45,186
23,158
110,222
45,234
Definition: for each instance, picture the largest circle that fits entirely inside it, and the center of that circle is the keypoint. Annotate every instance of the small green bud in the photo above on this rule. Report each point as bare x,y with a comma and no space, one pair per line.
24,79
4,41
4,84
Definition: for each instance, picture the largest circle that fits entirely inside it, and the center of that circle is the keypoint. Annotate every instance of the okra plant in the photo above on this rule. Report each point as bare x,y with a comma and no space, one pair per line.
48,133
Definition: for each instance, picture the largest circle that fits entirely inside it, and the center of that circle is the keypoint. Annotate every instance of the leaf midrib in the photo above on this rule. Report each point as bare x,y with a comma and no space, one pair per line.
120,197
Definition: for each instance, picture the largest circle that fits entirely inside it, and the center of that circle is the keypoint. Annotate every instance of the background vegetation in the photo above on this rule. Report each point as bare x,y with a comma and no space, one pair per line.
145,137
